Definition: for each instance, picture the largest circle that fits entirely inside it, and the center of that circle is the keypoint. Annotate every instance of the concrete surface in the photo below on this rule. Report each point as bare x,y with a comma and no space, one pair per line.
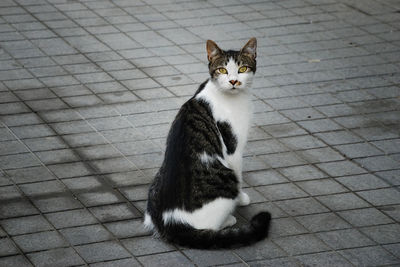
88,89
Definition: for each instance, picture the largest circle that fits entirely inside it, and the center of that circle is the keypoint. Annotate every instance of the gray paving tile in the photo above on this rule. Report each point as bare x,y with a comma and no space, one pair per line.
264,177
115,212
7,247
302,206
96,252
341,168
24,225
322,222
286,227
85,234
169,258
18,260
383,234
262,250
365,217
127,228
56,257
294,245
321,187
39,241
70,218
281,191
343,201
117,263
299,173
369,256
210,257
289,262
362,182
139,246
323,259
342,239
380,197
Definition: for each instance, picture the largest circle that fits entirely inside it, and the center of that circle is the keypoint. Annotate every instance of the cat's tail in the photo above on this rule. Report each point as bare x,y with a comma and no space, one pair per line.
244,235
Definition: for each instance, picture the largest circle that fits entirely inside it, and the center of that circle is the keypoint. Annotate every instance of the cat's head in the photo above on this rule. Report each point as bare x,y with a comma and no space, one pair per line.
232,71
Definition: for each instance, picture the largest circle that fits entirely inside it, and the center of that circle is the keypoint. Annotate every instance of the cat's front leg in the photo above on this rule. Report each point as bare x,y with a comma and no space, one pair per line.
243,199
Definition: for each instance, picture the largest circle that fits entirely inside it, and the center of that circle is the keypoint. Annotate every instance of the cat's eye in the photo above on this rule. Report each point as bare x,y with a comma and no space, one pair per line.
222,71
242,69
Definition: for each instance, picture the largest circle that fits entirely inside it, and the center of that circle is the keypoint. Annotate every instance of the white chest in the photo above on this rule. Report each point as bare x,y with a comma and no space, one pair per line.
232,108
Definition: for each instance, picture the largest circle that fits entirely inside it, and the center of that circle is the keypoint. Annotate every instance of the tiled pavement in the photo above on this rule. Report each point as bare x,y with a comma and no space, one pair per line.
88,89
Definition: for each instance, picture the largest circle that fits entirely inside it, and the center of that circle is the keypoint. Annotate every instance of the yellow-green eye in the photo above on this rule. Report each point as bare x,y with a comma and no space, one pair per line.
222,71
242,69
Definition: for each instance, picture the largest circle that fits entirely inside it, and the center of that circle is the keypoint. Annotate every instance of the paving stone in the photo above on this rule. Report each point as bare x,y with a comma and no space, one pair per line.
39,241
341,168
321,187
383,234
285,227
56,257
299,173
362,182
70,218
170,259
264,177
275,262
210,257
301,206
99,110
117,263
18,260
322,222
96,252
281,191
85,234
127,228
139,246
380,197
323,259
343,201
56,202
17,208
342,239
115,212
294,245
24,225
365,217
7,247
369,256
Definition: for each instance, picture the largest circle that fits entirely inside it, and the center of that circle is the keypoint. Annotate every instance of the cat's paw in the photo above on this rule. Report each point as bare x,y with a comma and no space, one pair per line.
230,221
244,199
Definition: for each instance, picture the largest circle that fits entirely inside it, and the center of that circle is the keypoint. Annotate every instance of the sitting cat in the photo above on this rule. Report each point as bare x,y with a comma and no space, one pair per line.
199,183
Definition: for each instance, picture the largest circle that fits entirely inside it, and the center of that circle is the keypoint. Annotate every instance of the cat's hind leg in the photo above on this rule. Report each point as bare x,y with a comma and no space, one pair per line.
243,199
230,221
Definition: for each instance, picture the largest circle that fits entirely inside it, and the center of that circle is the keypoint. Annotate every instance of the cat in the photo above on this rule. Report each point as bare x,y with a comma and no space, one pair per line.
198,186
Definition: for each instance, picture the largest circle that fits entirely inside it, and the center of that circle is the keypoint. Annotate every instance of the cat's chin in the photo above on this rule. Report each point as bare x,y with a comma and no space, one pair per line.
234,91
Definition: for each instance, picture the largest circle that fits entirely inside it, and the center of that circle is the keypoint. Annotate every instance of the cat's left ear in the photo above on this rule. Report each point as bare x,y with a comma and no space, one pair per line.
250,48
212,50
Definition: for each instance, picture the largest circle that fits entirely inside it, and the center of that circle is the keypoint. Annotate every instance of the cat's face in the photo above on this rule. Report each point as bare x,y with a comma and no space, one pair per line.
232,71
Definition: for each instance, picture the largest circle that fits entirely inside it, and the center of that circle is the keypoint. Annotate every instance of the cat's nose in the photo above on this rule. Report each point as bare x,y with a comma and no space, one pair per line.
233,82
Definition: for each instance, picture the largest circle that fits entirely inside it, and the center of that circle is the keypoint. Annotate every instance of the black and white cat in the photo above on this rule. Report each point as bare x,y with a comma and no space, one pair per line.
198,186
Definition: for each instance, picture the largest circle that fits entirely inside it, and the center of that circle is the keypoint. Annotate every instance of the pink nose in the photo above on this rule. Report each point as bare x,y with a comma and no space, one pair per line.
233,82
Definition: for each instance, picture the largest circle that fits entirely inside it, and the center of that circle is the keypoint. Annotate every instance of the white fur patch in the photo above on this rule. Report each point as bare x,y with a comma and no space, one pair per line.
236,110
211,216
148,222
206,159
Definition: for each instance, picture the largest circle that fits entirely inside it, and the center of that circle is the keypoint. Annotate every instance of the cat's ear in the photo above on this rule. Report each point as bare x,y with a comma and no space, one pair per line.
250,48
212,50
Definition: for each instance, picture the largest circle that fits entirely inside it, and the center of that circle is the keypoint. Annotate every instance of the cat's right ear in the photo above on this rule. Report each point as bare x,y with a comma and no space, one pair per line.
212,50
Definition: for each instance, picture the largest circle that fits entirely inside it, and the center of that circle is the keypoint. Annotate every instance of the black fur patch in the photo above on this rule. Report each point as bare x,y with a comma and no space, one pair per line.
228,136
